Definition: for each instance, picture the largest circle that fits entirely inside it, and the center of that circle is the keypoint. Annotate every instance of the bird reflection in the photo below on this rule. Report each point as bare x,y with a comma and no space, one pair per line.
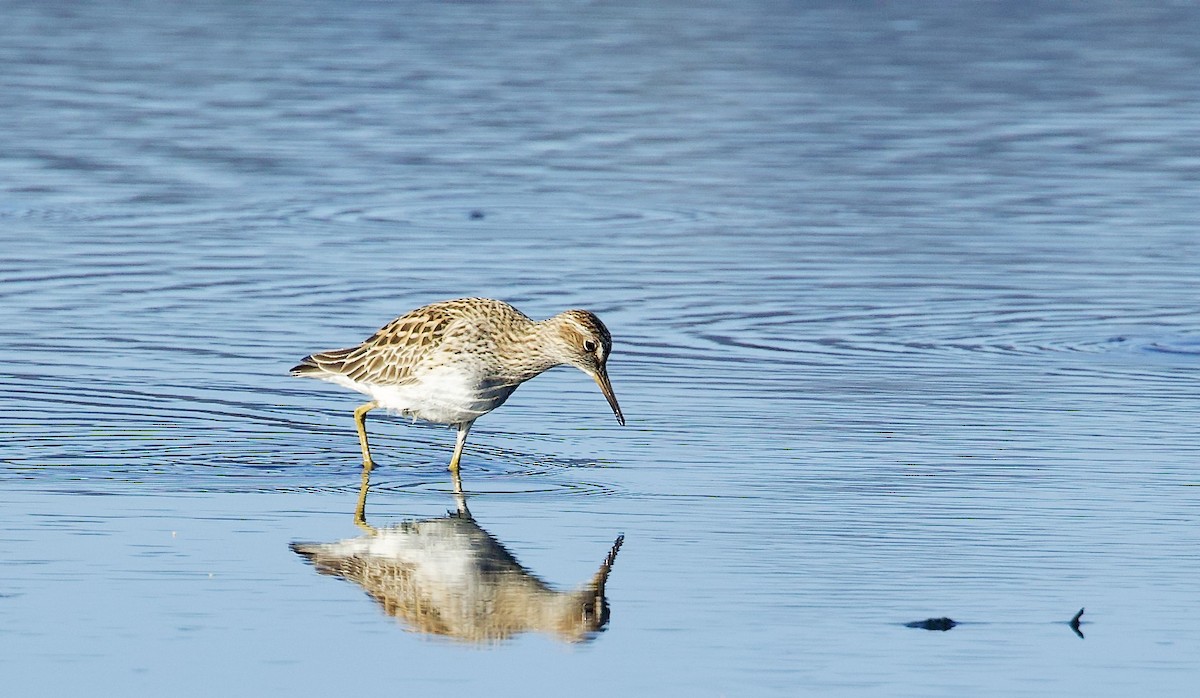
447,576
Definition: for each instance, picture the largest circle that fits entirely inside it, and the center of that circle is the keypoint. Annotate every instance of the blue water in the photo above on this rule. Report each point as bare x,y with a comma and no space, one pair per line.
905,312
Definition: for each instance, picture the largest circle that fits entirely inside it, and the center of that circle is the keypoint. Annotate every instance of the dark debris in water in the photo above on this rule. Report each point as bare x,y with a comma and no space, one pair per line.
945,623
932,624
1075,623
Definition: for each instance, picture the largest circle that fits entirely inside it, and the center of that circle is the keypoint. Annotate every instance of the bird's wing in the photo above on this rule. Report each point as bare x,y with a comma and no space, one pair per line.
392,355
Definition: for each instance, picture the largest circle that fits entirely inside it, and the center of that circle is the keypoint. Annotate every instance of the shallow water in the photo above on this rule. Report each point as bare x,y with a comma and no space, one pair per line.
906,326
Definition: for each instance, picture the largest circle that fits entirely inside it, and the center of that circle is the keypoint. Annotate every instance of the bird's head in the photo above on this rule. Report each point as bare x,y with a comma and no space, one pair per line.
586,344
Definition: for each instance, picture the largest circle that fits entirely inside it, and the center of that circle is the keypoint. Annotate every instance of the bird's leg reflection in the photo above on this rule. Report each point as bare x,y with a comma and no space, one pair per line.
448,576
460,501
360,511
458,490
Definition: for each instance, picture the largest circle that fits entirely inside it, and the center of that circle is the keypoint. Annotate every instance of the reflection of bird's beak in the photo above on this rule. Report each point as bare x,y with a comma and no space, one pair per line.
601,577
601,378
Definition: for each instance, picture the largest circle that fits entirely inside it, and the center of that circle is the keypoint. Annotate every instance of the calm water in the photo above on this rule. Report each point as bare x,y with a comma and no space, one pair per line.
906,313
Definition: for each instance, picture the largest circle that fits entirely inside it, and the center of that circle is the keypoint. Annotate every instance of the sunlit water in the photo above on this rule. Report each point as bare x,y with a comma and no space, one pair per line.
906,320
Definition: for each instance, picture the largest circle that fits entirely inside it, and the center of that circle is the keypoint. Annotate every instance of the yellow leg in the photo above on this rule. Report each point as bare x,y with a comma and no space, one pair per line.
463,429
360,420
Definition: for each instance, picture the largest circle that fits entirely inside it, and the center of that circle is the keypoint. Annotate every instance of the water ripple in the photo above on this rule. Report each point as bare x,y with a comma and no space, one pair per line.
505,215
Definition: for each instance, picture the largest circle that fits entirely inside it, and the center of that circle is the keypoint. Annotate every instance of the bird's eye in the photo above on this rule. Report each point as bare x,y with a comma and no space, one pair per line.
589,346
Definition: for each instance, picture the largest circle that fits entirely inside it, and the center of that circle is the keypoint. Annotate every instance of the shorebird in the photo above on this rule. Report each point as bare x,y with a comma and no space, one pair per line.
454,361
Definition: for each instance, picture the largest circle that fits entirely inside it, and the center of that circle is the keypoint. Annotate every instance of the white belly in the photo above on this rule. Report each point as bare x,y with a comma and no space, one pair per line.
440,395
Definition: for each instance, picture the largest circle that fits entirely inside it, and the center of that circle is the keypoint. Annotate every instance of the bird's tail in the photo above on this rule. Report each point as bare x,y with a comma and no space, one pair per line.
324,362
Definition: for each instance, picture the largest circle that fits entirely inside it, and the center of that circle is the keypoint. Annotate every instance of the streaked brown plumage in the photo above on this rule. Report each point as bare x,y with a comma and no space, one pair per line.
454,361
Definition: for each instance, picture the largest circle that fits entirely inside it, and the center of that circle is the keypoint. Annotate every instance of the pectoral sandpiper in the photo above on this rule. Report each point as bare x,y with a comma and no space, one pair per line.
454,361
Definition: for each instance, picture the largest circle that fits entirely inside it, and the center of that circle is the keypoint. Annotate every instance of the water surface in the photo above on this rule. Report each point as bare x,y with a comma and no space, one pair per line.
905,313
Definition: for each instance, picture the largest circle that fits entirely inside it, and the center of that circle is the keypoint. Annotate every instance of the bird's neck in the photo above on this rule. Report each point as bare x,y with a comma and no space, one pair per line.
538,348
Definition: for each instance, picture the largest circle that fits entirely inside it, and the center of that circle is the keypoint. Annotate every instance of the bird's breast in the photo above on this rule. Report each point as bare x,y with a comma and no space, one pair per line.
445,395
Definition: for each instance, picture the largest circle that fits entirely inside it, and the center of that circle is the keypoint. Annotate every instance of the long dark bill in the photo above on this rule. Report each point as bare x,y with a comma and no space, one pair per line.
601,377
